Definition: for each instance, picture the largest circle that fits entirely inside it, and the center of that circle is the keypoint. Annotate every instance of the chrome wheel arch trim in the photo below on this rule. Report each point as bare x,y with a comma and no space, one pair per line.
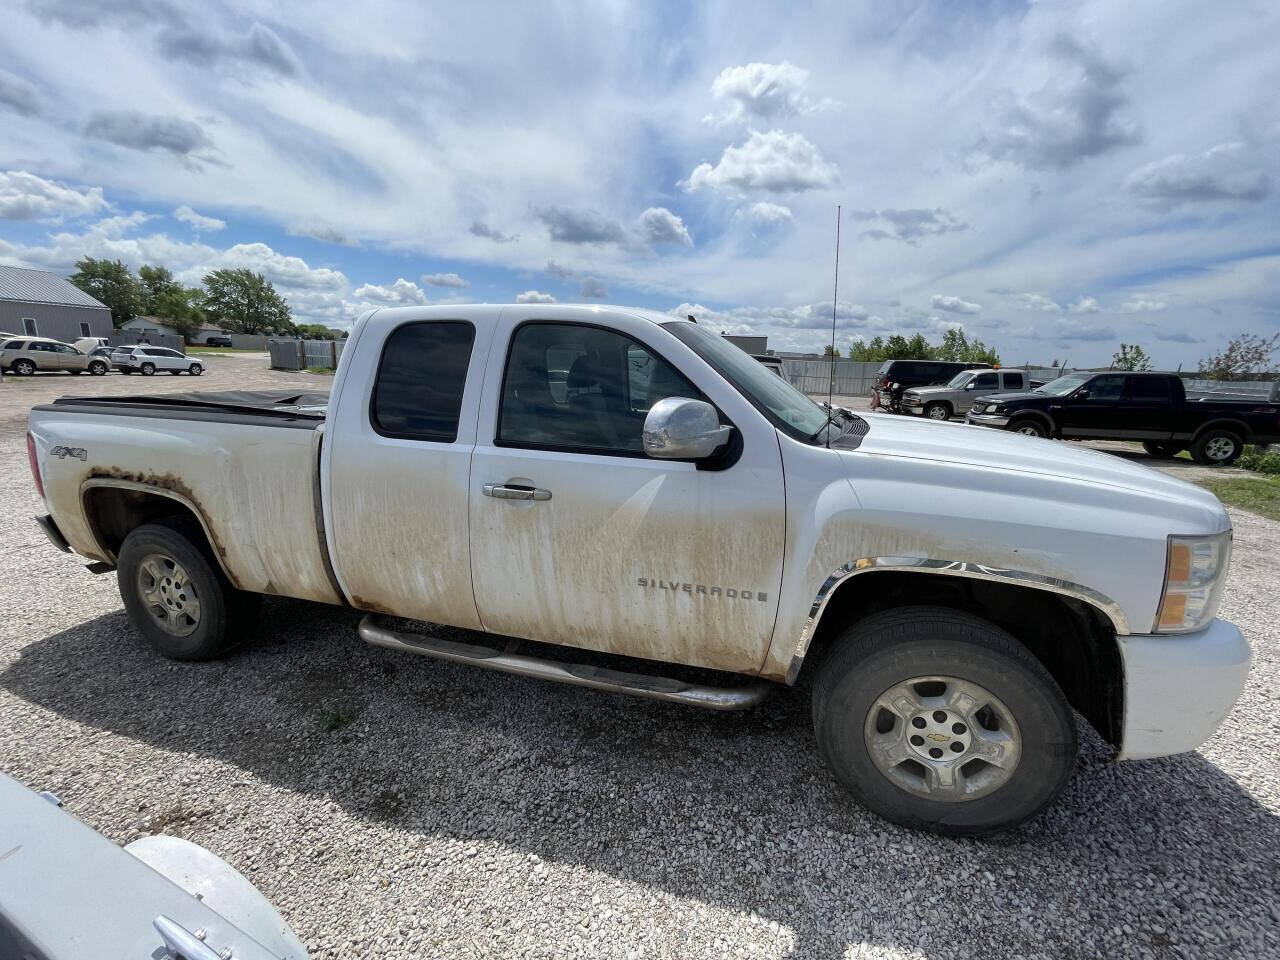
951,568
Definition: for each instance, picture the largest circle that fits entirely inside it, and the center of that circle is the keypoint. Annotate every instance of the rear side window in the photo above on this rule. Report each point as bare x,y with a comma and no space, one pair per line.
423,370
1148,388
985,381
15,345
1013,381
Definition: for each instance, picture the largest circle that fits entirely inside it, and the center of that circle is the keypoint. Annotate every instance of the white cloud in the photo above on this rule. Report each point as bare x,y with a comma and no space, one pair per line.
910,225
444,280
534,296
282,269
402,293
770,214
198,223
18,95
776,162
592,288
1228,171
1142,305
762,91
1085,305
1038,301
141,131
660,225
24,196
954,304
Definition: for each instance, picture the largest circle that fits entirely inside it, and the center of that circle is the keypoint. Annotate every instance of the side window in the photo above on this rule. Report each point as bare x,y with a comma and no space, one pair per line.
1106,388
986,381
423,370
84,329
39,347
14,345
1148,388
582,388
1013,381
30,327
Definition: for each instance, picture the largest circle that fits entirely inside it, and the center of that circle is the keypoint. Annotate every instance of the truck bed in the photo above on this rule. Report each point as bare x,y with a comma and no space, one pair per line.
304,410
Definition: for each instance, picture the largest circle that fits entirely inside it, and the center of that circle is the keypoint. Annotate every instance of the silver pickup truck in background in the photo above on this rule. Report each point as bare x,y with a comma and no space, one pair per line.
954,398
620,481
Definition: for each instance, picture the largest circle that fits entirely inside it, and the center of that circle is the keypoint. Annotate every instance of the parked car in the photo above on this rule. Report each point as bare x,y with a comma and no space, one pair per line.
217,341
682,505
895,376
954,397
89,344
1150,407
147,360
70,893
25,355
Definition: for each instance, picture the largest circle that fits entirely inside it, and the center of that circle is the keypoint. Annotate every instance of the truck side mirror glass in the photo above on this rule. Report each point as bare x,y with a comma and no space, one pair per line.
1082,393
679,428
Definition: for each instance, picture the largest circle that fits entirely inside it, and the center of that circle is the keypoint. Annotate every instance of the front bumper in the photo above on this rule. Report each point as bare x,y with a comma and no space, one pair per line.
912,406
998,420
1178,688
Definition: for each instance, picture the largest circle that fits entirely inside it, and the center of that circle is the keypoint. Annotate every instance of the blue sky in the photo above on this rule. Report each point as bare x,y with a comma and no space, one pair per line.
1056,178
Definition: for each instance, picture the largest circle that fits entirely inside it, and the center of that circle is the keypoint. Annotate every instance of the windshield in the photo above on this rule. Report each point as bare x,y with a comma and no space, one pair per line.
786,406
1064,385
959,380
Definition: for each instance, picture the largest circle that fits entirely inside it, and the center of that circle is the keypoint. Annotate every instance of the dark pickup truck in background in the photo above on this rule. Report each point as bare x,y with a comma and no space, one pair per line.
1150,407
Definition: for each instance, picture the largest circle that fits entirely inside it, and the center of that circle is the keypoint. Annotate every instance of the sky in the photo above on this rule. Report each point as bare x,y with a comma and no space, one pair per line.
1055,178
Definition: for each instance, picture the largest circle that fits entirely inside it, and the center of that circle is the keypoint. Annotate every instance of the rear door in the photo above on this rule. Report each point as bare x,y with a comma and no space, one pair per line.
1147,412
1012,380
397,457
616,551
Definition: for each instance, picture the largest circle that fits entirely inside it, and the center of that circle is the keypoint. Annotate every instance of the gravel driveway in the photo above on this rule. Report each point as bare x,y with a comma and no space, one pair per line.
397,807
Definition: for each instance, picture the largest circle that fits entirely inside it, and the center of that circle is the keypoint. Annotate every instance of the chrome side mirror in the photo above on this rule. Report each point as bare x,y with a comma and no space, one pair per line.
679,428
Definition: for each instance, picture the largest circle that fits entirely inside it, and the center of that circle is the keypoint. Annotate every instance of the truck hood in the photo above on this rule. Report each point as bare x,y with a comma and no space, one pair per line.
1003,452
925,391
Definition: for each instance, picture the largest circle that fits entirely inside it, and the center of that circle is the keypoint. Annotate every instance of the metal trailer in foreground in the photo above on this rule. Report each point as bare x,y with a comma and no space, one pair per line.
69,893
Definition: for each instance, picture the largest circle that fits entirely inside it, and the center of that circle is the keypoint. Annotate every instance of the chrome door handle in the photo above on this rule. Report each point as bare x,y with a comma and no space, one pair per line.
502,491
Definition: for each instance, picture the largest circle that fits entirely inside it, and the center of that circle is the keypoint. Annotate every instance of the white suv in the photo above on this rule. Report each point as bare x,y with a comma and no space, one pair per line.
147,360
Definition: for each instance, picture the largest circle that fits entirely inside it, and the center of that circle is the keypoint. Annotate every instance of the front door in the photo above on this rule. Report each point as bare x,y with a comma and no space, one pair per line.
981,385
613,550
1091,410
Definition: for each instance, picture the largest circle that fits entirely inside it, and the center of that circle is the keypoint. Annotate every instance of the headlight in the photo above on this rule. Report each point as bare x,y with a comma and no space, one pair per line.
994,408
1195,570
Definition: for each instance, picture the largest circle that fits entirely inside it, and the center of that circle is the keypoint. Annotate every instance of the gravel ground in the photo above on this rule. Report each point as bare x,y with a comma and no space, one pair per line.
398,807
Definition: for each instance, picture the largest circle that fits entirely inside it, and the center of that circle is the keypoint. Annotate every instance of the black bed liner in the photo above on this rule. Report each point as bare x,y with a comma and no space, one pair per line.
282,408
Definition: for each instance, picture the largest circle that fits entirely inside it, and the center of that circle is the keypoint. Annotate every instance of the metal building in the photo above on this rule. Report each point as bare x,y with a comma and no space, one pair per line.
36,303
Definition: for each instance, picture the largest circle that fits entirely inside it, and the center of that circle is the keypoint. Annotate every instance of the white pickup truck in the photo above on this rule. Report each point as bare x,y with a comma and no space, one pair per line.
620,481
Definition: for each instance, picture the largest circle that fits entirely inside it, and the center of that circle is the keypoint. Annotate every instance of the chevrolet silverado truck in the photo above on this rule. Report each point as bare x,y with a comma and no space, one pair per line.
614,480
1149,407
955,396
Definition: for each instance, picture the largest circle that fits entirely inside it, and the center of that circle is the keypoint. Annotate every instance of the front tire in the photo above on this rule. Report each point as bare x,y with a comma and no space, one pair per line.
1216,448
147,369
1029,427
938,411
177,597
195,370
939,720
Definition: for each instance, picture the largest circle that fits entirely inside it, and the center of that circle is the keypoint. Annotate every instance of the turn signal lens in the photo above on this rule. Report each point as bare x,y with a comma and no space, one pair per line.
1195,570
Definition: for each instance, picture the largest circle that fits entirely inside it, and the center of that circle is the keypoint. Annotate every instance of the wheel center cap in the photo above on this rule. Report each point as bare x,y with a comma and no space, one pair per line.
939,735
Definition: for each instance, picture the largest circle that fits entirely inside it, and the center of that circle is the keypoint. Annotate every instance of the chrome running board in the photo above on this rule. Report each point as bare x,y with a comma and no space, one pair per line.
748,695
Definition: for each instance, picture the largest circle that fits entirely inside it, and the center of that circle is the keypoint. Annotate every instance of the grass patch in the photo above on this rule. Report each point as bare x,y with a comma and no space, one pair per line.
321,371
336,717
1260,495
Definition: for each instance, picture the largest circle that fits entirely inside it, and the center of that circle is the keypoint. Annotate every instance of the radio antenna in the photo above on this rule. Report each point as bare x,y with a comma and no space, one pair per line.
835,294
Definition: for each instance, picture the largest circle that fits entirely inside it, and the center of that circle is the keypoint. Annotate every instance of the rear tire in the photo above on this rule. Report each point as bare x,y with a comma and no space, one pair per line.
1216,448
1163,450
1029,427
178,597
147,369
897,672
938,410
23,368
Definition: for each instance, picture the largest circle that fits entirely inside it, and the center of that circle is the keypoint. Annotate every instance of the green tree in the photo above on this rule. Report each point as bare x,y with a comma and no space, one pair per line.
181,308
314,331
872,352
830,351
245,302
1245,356
1130,356
111,282
156,284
